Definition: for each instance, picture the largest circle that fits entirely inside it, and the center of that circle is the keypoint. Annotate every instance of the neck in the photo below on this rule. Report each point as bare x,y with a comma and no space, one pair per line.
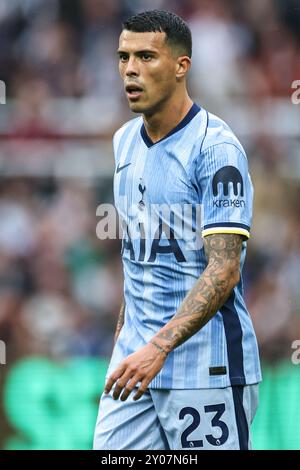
162,121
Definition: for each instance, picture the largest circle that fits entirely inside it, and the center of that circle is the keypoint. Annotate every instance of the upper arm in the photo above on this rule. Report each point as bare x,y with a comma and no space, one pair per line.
225,190
223,253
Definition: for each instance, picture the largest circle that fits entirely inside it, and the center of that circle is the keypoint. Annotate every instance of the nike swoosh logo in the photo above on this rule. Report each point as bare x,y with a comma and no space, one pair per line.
120,168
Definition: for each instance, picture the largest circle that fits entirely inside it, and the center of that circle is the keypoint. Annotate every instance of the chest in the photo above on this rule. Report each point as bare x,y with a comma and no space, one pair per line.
153,176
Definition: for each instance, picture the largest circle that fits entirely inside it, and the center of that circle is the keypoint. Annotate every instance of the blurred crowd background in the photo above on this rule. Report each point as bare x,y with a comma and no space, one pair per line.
60,286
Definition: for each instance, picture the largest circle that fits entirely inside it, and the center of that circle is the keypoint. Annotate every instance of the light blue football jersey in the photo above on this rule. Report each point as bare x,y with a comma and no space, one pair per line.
192,183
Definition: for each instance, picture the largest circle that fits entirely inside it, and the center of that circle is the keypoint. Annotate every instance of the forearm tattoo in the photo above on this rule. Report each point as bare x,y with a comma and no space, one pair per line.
209,293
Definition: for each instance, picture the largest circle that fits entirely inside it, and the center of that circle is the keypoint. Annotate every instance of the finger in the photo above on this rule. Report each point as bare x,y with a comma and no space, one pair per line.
129,387
121,384
113,378
142,389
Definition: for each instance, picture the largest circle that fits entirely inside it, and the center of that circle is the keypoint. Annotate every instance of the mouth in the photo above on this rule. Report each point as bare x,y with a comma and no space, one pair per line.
133,91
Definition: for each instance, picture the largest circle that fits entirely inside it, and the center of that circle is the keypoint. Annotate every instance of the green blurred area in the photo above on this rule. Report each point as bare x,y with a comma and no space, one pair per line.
51,405
277,422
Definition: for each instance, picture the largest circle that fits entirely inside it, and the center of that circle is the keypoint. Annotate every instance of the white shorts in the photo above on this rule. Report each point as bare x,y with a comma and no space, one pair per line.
204,419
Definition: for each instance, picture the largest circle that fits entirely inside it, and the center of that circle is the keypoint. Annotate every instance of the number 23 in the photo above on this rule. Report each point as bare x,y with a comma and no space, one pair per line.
219,410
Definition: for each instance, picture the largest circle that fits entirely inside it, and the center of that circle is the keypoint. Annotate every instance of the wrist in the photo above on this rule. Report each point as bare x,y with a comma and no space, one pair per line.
159,347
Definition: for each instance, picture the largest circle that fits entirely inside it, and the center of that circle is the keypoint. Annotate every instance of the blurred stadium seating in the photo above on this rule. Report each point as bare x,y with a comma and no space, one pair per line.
60,286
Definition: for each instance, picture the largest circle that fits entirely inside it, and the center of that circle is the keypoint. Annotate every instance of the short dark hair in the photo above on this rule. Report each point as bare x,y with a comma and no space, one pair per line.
178,34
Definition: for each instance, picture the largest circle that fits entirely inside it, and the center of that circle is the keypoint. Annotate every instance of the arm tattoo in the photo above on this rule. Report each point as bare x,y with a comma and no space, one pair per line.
120,321
209,293
160,348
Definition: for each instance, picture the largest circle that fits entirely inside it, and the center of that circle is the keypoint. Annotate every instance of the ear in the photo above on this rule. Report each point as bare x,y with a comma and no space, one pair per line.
183,65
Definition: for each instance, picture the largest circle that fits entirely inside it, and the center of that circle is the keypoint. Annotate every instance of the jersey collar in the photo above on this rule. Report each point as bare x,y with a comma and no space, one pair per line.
189,116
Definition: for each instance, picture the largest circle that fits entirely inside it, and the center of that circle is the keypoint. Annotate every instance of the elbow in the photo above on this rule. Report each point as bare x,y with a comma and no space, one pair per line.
235,277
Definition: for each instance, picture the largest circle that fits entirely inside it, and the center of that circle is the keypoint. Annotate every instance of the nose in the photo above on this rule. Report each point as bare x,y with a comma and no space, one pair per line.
132,69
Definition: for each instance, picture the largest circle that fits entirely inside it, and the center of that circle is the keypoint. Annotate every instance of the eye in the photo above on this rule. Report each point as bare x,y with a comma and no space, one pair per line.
146,57
123,57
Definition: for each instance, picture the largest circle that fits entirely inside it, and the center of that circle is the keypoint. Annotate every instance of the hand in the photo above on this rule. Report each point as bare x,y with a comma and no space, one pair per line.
141,366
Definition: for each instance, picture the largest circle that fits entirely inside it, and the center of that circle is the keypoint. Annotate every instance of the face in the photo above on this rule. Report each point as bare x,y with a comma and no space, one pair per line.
148,68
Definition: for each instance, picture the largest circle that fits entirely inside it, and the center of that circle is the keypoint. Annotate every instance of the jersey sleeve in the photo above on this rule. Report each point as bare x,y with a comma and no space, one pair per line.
225,189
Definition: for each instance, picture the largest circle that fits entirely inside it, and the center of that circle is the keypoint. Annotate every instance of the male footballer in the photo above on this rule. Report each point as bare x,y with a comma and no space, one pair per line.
185,368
